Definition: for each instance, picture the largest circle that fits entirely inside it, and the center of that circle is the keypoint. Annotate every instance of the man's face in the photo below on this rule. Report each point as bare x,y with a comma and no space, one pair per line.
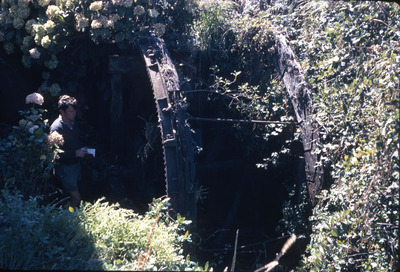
69,114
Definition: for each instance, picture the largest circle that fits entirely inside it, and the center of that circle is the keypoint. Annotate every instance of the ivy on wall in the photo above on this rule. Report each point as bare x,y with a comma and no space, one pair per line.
350,52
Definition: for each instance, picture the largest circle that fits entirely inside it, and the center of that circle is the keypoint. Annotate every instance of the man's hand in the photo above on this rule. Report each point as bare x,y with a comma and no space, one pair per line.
81,152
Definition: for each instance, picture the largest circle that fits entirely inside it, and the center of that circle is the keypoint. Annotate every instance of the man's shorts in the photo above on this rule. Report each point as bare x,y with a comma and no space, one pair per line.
68,175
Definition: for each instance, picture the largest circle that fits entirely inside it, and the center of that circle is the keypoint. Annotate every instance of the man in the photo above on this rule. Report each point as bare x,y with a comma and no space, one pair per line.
68,168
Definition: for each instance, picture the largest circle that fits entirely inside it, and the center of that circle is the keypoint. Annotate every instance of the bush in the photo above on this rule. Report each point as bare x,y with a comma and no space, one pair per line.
350,54
128,241
235,39
99,236
69,40
34,237
26,156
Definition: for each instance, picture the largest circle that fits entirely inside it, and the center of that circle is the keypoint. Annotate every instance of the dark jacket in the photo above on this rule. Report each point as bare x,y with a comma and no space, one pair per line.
72,141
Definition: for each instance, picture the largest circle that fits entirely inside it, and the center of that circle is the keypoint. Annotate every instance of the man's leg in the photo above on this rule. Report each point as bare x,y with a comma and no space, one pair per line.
75,198
69,176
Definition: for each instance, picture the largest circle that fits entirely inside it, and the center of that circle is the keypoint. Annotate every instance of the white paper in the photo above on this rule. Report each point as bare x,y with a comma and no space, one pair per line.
91,151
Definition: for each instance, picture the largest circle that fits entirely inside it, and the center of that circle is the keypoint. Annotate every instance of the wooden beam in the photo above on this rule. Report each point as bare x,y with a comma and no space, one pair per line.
300,95
175,132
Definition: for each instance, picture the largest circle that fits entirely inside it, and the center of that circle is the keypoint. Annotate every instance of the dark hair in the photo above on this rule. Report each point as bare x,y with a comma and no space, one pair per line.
65,101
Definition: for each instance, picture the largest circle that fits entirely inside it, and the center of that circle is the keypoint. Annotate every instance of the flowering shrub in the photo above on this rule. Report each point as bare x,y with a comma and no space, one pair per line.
41,28
28,153
34,98
61,36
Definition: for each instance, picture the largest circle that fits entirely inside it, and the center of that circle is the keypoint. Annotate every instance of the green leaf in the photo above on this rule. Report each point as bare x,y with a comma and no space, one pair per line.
119,37
34,117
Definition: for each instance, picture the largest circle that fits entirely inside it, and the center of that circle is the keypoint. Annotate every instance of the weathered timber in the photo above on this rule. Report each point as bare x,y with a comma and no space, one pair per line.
300,95
175,131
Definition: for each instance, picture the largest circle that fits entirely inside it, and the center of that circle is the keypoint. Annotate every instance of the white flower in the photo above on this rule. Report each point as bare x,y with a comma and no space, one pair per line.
46,41
96,24
189,6
38,39
38,31
96,6
34,52
117,2
35,98
153,13
53,11
55,138
32,129
112,19
49,26
138,10
81,21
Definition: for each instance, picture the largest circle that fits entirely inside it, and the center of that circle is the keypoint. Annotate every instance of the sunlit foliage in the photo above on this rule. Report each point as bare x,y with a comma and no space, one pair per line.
350,52
98,236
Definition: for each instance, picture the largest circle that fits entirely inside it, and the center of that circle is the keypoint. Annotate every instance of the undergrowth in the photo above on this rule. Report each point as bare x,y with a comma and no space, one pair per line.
98,236
350,53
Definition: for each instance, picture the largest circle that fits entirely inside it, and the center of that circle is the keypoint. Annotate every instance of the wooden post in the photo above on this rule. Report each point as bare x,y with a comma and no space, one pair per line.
175,132
301,97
